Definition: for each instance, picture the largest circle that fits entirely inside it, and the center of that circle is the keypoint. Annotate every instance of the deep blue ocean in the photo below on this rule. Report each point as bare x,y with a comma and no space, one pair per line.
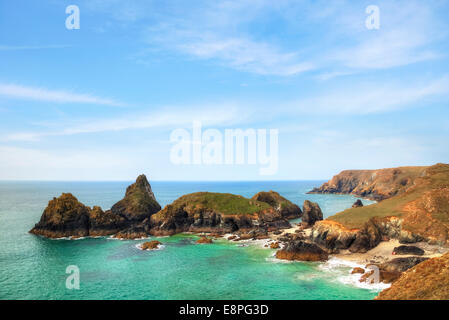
32,267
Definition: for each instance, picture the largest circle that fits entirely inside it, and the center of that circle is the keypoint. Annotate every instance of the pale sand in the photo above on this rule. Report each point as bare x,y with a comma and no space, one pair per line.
383,252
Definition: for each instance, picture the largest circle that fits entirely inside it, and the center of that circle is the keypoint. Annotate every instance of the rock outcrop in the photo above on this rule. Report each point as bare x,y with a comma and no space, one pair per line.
67,217
373,184
64,217
311,213
139,202
302,251
215,212
150,245
205,240
358,204
408,250
285,207
429,280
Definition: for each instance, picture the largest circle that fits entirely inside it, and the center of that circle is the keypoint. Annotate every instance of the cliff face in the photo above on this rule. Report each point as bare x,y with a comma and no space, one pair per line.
372,184
215,212
67,217
429,280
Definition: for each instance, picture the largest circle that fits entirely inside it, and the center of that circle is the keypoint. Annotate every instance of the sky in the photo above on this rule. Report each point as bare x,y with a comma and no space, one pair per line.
101,102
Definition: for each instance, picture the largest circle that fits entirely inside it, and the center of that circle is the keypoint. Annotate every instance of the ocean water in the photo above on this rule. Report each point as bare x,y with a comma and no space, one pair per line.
32,267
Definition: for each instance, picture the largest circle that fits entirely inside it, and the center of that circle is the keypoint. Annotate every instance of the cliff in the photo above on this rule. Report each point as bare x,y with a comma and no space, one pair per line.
372,184
419,213
429,280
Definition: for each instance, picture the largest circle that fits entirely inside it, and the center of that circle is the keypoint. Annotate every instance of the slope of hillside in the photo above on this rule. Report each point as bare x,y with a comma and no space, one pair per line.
428,280
423,207
373,184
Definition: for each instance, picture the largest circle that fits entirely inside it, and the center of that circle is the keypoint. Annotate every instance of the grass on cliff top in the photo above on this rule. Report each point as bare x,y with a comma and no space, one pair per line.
225,203
354,218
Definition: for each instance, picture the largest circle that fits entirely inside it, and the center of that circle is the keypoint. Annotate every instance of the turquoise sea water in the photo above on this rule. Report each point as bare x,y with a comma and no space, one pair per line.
34,268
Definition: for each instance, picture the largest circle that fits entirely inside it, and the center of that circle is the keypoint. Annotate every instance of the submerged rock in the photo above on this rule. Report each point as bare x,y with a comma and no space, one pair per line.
204,240
302,251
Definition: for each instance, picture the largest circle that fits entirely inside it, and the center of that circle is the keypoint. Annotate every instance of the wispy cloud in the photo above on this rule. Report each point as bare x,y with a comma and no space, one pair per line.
59,96
170,118
372,98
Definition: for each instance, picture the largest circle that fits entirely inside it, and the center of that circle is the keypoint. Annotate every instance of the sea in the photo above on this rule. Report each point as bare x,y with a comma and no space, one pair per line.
32,267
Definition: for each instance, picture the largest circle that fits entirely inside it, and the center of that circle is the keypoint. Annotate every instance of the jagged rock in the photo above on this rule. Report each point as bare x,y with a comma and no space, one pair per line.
105,223
302,251
367,238
358,204
139,202
311,213
332,235
63,217
150,245
408,250
358,270
286,208
274,245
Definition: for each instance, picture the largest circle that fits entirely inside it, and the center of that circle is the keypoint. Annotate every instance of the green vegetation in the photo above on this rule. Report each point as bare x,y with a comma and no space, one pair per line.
224,203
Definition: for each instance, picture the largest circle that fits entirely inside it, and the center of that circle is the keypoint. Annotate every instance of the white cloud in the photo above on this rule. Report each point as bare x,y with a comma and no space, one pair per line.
59,96
371,98
170,117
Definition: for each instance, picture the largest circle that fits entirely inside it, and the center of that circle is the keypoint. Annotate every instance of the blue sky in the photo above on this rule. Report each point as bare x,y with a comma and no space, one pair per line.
99,103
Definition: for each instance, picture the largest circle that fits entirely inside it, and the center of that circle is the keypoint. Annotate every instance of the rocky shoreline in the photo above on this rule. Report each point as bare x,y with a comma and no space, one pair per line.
386,246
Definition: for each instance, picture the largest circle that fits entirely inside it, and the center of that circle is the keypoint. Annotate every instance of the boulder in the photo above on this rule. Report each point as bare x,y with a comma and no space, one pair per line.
311,213
274,245
408,250
401,264
358,204
302,251
150,245
358,270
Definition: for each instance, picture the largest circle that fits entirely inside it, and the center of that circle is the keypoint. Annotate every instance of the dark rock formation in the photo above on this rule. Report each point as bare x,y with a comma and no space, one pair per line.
311,213
332,235
408,250
302,251
367,238
358,204
139,202
67,217
64,217
401,264
286,208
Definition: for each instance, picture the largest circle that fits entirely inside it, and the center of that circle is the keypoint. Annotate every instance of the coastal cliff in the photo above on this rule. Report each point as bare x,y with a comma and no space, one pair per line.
428,280
372,184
